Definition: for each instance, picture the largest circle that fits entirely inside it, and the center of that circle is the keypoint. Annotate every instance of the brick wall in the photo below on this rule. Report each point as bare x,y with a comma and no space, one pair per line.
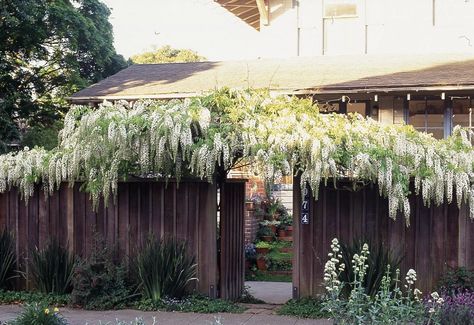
250,223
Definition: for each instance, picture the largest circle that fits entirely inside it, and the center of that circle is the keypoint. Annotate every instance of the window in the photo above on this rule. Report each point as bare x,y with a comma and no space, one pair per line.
462,113
360,108
340,8
427,116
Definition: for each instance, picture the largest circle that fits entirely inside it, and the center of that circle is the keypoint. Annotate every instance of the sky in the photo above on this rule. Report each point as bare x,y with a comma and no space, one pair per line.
200,25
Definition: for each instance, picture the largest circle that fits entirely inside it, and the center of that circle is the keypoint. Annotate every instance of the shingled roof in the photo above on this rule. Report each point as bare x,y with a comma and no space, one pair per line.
315,75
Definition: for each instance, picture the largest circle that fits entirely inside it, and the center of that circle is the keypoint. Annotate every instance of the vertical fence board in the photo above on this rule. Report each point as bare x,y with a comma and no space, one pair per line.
232,240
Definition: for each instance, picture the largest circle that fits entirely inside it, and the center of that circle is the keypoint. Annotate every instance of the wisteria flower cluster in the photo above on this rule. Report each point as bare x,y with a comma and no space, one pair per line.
212,133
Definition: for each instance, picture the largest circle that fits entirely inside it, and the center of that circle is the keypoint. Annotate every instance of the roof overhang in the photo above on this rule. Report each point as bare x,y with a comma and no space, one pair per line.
252,12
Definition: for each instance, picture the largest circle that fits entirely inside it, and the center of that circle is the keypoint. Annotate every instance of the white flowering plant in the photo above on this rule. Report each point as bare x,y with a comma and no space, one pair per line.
210,134
390,305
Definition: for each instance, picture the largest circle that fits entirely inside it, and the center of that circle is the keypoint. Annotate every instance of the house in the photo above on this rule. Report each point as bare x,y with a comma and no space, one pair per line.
349,56
434,93
328,27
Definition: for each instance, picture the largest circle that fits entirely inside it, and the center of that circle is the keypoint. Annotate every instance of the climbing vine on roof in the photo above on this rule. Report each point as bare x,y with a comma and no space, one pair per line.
278,136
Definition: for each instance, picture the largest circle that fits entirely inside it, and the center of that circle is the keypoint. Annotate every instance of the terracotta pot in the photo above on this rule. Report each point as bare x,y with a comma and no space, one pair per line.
261,264
262,250
273,228
267,238
286,249
282,233
288,238
289,231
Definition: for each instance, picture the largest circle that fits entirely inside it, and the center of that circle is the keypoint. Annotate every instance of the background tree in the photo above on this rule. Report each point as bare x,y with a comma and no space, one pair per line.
167,54
49,49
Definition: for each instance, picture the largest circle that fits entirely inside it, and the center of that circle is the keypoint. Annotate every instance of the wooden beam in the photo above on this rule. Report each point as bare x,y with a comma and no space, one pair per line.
263,10
248,15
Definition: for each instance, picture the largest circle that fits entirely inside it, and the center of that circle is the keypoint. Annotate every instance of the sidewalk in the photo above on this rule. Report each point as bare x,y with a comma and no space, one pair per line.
82,317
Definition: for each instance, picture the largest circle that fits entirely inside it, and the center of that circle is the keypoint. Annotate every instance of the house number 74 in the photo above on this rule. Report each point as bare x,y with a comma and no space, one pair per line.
305,206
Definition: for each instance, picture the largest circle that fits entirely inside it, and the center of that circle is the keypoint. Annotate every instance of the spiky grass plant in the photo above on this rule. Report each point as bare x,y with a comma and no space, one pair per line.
7,258
52,268
165,268
378,260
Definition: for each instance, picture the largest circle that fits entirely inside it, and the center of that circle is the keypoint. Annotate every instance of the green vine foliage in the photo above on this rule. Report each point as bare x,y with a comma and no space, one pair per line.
276,135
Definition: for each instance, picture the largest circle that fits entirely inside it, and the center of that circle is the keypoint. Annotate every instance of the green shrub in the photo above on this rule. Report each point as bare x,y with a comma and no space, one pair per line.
7,258
165,269
39,314
304,308
264,231
378,260
22,297
98,283
52,268
457,280
263,244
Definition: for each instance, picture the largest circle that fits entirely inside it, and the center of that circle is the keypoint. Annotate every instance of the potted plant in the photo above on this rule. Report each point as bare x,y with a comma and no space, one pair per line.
262,247
265,233
282,231
262,263
286,228
273,225
274,205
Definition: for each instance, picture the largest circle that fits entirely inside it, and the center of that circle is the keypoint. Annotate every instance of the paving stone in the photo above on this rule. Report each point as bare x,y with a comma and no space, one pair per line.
270,292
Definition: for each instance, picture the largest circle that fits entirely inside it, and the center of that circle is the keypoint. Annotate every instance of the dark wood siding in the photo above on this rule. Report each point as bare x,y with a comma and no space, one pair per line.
438,237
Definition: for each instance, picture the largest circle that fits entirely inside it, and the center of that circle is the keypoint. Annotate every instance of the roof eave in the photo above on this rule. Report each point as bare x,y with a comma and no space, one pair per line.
282,91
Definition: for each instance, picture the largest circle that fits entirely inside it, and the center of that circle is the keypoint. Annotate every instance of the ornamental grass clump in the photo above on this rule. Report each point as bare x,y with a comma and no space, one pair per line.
212,133
52,268
391,304
165,269
378,260
7,258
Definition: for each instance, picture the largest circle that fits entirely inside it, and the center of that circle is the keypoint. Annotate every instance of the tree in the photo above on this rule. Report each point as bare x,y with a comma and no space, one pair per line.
50,49
167,54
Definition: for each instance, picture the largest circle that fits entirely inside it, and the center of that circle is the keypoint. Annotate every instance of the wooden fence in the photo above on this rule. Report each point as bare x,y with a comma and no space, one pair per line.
438,237
187,210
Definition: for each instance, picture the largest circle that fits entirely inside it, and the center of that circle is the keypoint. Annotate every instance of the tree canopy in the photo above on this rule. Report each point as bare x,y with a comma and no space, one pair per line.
167,54
50,49
209,134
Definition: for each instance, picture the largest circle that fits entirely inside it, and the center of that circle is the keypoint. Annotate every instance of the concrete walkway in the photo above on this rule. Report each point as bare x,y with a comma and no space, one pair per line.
271,292
83,317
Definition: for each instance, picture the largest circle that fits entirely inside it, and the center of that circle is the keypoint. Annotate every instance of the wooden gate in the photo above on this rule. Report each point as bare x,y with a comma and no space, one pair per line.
438,237
232,272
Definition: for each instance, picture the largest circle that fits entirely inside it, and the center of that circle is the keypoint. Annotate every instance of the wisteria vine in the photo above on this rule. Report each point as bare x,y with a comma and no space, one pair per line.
277,136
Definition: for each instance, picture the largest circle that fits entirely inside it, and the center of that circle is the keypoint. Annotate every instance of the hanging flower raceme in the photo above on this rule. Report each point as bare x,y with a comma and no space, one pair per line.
202,136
